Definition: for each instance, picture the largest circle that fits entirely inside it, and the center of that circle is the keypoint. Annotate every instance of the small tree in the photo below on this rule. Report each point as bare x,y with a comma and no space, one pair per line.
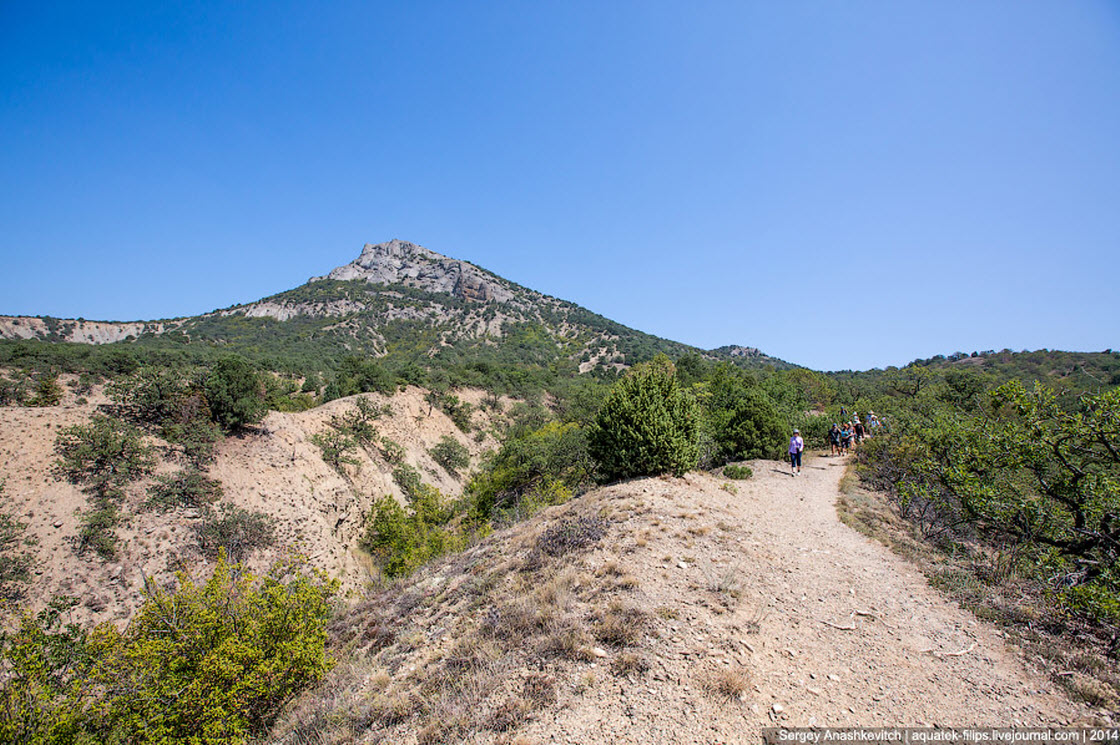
102,456
647,425
451,454
235,392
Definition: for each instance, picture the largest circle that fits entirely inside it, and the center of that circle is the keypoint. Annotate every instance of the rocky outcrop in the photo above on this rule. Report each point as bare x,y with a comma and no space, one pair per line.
80,331
402,263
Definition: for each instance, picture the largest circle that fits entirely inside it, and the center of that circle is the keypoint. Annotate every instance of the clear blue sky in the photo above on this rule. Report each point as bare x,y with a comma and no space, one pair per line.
842,184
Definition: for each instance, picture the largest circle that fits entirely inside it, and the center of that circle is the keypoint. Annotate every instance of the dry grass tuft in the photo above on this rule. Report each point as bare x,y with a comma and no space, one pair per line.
629,664
726,684
619,625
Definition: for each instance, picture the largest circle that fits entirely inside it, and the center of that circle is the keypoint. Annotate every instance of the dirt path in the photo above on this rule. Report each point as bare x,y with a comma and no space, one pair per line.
826,628
855,635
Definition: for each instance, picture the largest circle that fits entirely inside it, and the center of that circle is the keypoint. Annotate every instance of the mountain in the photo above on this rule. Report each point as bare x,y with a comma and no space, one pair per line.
408,305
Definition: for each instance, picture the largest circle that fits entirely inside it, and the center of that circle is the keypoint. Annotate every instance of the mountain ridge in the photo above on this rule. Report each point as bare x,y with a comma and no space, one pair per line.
398,298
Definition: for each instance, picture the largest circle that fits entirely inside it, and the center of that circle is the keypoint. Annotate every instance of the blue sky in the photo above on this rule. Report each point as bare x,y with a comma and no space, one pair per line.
841,184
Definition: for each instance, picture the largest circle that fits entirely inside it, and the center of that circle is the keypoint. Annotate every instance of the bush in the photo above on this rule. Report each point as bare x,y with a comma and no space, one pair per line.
741,419
336,449
235,531
647,426
211,663
451,454
15,562
391,450
401,542
48,392
149,396
235,392
13,392
408,479
95,528
102,456
546,462
189,488
737,472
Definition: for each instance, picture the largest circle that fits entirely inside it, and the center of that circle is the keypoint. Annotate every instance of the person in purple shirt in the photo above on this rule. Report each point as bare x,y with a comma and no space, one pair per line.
796,446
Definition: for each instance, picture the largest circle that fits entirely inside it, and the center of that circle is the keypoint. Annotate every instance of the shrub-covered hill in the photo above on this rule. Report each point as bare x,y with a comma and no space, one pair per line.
1062,371
414,309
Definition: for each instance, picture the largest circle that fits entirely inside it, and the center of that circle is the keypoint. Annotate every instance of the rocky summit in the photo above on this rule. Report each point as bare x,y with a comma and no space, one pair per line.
399,262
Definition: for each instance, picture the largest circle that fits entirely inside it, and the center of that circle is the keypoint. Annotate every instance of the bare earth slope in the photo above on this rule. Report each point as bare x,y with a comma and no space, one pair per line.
745,611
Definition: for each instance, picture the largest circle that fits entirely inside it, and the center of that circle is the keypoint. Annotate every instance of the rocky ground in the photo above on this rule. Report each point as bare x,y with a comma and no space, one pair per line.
708,611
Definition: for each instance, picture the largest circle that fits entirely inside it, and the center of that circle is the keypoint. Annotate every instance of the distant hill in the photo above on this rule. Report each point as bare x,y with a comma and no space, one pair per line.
408,305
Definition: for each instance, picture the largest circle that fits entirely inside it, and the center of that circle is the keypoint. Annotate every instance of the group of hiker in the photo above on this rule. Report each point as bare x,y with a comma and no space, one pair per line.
841,437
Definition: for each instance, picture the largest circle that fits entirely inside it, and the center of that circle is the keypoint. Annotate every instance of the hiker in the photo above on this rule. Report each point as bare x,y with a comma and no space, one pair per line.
859,431
846,436
796,446
834,439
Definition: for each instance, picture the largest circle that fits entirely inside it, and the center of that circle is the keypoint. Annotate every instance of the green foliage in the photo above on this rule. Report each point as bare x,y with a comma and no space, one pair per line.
408,479
13,391
737,473
96,526
336,449
392,451
740,419
460,412
358,422
358,375
149,396
647,425
235,531
211,663
196,434
1031,467
102,456
451,454
403,541
48,391
235,392
189,488
283,394
15,561
542,465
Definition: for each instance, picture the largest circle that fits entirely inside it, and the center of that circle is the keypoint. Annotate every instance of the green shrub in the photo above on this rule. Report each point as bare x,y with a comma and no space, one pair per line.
740,418
737,473
647,425
391,450
13,392
236,531
208,664
190,488
408,479
400,541
197,435
48,391
451,454
547,462
148,396
96,526
102,456
336,449
15,561
235,392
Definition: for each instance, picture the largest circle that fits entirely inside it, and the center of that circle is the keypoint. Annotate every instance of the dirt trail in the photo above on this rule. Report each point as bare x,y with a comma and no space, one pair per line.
828,628
855,635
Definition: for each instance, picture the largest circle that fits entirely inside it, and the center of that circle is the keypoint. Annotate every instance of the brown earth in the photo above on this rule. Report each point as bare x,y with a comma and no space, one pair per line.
702,616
